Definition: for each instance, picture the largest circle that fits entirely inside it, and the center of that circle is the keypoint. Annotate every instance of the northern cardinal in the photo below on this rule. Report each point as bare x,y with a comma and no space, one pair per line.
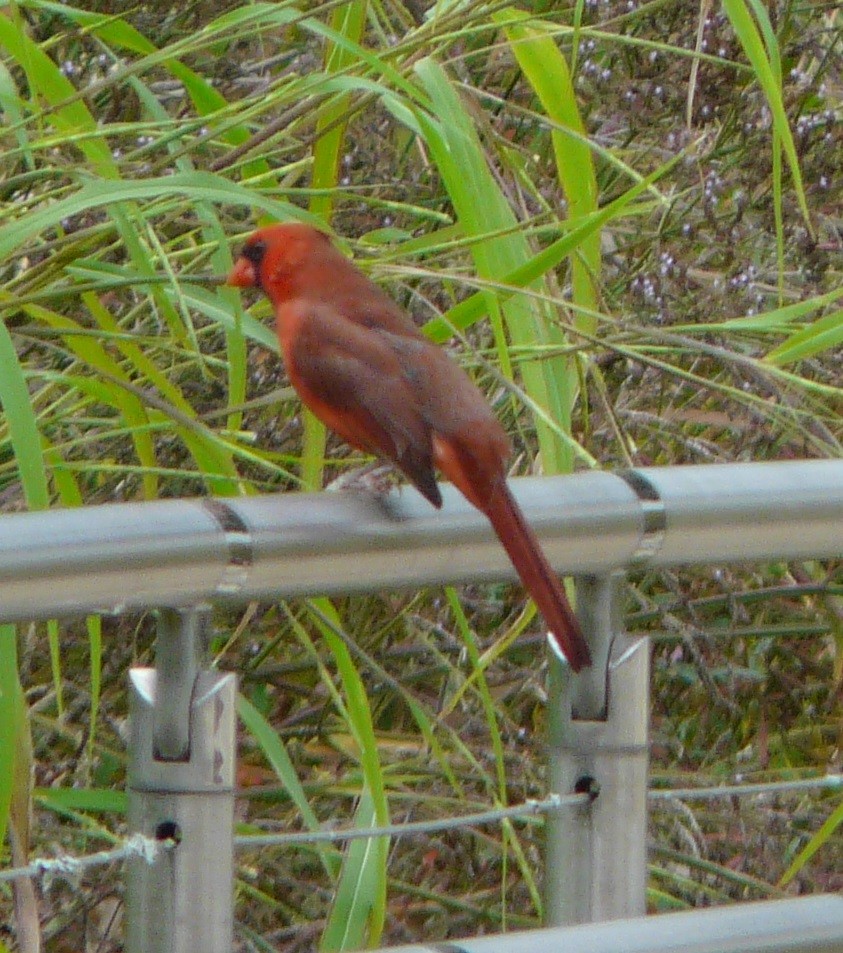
364,369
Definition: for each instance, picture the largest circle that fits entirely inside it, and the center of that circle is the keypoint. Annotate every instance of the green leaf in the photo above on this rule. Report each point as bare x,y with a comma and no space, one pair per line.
11,105
96,193
69,114
358,911
93,800
547,72
23,428
119,34
11,719
212,455
825,334
464,314
822,837
367,866
499,249
769,79
779,317
276,754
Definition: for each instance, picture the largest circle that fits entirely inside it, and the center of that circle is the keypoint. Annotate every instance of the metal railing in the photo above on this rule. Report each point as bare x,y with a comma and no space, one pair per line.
181,556
806,925
184,552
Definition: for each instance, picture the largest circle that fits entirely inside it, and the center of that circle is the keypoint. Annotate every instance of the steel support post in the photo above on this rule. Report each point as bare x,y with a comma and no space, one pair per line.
598,722
181,788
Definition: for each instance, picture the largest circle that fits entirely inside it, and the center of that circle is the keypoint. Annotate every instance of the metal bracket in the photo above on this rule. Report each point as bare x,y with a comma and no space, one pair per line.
597,744
181,789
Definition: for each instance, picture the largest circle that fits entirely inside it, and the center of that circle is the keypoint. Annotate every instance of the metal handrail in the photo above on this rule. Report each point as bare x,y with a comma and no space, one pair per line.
114,557
803,925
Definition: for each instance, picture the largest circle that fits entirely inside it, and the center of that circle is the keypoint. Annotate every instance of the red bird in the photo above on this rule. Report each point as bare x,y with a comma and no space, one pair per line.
365,370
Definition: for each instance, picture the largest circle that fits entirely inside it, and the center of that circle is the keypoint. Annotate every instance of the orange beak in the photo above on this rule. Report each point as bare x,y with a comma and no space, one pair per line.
242,274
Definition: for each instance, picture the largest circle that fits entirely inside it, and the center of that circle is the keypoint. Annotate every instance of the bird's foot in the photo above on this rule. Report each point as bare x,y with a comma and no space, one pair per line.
377,478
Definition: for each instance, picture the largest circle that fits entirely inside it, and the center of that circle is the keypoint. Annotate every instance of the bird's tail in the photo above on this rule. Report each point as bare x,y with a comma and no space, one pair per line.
536,573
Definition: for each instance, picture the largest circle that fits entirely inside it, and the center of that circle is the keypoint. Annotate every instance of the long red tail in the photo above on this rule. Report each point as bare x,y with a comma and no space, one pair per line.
536,573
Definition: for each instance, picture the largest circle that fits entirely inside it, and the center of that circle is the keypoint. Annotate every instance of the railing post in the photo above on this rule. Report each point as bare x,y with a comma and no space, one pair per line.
595,859
181,788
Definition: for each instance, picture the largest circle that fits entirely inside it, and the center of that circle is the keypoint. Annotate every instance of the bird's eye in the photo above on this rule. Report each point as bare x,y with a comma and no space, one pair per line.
254,252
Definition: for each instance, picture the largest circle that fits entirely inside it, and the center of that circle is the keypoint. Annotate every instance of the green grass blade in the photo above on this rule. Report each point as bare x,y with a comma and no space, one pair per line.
213,457
822,837
359,908
825,334
23,427
490,712
483,210
119,34
348,21
11,710
130,225
547,72
778,318
356,703
66,484
464,314
363,886
216,308
479,678
764,67
69,114
11,105
134,412
772,46
54,643
277,756
94,800
93,624
213,234
96,193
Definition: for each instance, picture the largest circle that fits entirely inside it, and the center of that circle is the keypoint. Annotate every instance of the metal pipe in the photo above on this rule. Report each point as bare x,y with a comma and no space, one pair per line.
182,552
749,511
596,855
803,925
183,900
179,656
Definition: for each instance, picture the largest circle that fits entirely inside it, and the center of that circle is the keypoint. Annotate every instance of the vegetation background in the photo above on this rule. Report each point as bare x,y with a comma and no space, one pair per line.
625,218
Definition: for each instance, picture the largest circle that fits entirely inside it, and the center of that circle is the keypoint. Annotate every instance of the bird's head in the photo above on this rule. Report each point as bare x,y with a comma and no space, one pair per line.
272,256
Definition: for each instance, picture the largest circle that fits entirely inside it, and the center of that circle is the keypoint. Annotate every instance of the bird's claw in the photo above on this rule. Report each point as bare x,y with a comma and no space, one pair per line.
376,478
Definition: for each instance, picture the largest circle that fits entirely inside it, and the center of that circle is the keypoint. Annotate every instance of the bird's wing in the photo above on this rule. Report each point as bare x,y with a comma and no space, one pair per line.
351,377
